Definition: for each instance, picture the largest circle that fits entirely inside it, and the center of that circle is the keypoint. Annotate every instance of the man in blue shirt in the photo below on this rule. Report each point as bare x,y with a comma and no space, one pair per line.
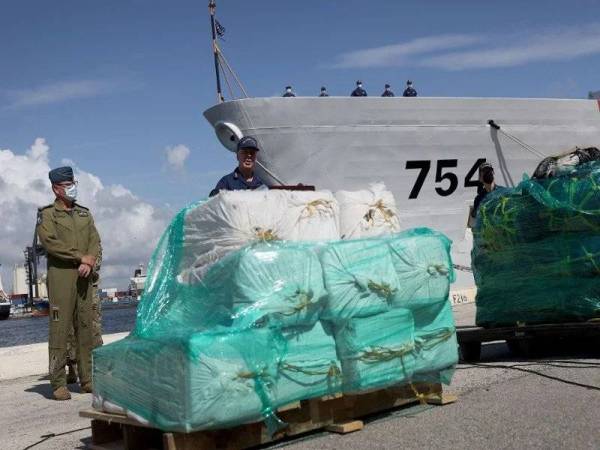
243,177
359,91
410,90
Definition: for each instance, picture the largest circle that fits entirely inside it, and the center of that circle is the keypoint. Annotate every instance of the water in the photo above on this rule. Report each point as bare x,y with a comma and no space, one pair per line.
32,330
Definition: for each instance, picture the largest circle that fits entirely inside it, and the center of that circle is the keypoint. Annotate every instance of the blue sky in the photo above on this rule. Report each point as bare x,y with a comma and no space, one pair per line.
112,84
119,87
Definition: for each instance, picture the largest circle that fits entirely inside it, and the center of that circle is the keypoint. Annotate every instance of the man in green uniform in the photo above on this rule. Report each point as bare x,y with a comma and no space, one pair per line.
67,232
96,324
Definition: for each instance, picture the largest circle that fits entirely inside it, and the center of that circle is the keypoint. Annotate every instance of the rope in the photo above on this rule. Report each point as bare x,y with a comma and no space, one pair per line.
386,212
312,207
271,174
462,268
332,370
420,396
231,71
383,354
429,341
265,235
383,289
229,88
515,139
305,303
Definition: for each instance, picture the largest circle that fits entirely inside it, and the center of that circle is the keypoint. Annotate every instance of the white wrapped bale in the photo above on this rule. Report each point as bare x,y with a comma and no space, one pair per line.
376,351
233,219
311,216
359,278
366,213
310,367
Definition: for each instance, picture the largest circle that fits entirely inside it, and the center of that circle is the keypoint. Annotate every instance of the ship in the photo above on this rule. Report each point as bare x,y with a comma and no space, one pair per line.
426,150
137,282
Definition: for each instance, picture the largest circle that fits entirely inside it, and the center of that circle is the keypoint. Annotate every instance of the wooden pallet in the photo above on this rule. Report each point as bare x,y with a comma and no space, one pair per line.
520,338
337,414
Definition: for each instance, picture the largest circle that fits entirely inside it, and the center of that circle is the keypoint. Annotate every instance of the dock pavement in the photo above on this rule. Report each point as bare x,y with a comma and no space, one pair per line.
503,403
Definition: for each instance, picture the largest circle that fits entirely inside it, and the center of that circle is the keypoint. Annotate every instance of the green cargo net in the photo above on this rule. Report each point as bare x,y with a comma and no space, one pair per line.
276,322
536,252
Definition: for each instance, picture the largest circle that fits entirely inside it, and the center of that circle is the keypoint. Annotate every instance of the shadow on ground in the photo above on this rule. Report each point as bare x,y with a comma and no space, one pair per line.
43,388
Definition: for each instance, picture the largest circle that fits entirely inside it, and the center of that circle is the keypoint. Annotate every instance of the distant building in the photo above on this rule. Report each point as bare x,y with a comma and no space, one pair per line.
594,95
20,285
19,281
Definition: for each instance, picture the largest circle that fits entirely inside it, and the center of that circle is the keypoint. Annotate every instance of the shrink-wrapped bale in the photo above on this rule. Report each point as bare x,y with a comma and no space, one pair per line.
244,339
310,367
233,219
202,381
226,222
421,259
359,278
311,216
369,212
436,347
536,254
376,351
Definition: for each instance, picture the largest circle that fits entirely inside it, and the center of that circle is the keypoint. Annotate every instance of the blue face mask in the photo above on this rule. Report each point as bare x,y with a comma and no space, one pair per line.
71,192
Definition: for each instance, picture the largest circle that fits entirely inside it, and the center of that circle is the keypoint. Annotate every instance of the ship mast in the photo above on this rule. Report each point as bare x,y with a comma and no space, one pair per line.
211,8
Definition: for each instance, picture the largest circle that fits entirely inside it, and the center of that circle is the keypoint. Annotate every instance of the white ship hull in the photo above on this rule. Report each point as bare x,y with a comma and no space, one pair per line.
347,143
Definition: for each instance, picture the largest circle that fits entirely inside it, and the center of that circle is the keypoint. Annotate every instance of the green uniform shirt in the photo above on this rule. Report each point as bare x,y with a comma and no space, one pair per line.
67,235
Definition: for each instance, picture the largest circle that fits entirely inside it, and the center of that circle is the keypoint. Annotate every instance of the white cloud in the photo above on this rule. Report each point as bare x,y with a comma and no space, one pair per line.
128,226
464,51
59,92
398,54
176,156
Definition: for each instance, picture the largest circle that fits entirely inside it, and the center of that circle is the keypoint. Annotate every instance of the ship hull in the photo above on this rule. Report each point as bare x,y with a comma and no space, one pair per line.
424,149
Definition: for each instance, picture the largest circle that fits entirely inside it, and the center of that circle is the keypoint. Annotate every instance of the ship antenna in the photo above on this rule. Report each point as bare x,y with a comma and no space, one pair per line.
211,8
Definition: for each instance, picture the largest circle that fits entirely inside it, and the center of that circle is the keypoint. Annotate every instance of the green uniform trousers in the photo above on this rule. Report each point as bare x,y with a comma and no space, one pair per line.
71,307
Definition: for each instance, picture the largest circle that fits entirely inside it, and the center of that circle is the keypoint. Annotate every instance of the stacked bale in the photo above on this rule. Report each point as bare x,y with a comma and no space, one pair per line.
536,253
270,321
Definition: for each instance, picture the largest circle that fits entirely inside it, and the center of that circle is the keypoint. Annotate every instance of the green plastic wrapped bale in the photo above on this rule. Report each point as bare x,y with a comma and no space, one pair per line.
254,330
205,381
551,273
310,367
555,280
359,277
276,283
436,347
376,351
421,259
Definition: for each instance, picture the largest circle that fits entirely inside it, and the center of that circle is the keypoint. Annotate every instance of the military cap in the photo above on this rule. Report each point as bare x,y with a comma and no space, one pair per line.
323,88
247,142
387,86
358,82
61,174
409,82
288,87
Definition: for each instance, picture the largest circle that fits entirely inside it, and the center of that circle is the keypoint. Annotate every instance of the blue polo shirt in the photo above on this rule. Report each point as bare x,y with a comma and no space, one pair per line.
235,182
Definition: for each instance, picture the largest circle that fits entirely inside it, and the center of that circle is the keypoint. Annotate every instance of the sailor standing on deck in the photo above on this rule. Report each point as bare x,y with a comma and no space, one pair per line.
410,90
323,92
359,91
67,232
387,92
288,92
244,176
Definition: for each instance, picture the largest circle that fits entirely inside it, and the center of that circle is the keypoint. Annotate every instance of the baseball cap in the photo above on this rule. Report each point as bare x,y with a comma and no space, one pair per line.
247,142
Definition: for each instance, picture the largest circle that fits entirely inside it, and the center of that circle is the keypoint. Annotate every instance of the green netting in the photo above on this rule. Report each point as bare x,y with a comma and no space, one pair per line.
536,253
276,322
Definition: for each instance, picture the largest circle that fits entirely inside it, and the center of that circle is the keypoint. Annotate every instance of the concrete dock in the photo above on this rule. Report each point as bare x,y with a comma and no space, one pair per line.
503,403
